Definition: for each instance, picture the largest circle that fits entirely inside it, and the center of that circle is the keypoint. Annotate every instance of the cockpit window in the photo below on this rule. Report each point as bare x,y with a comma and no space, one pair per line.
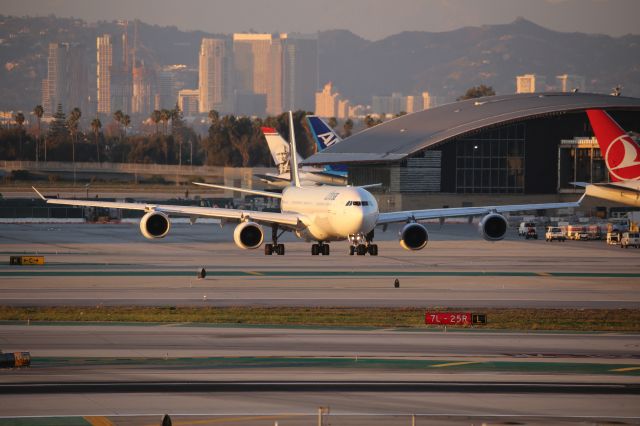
348,203
357,203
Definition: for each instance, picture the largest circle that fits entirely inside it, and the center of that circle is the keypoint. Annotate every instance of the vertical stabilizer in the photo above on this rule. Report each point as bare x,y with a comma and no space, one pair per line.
621,154
295,181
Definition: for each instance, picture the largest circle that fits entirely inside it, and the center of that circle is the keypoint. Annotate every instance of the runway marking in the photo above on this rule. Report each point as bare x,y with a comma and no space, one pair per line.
454,364
98,421
231,419
622,370
306,274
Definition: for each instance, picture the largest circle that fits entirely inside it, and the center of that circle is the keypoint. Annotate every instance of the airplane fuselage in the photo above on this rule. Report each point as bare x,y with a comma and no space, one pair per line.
333,212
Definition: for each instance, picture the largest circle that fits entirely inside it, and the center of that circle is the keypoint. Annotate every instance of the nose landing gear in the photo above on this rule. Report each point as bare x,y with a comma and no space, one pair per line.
361,244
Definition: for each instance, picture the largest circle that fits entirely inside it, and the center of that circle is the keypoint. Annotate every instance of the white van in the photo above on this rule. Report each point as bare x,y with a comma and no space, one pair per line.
524,227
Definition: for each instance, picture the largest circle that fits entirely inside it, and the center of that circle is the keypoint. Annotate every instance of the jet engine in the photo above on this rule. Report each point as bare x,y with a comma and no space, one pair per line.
492,227
155,225
248,235
414,236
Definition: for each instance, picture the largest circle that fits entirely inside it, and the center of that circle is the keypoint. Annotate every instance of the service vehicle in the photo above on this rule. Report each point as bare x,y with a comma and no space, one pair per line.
524,228
630,239
531,233
555,233
613,238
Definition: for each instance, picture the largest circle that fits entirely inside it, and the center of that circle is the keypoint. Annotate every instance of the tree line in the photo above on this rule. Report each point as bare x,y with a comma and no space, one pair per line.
230,141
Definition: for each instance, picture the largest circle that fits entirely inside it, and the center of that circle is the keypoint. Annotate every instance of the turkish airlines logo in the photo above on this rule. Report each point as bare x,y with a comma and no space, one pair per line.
328,138
623,158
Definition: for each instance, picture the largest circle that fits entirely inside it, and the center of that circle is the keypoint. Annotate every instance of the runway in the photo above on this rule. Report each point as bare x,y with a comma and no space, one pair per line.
131,374
115,265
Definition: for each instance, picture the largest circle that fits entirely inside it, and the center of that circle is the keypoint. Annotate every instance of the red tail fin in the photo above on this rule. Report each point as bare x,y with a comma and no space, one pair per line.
620,152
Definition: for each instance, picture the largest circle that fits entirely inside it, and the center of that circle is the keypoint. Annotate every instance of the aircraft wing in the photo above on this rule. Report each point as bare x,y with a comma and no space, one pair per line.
403,216
629,185
289,219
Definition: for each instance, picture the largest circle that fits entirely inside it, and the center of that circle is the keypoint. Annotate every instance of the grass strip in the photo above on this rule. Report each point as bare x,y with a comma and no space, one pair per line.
515,319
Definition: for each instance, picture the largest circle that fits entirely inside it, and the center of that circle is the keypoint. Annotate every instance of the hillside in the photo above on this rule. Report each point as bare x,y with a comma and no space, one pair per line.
445,63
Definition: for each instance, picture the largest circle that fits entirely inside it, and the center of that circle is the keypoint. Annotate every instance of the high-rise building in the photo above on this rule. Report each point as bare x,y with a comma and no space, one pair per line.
570,82
258,69
300,71
426,100
188,101
327,101
104,61
167,95
142,99
215,76
67,78
342,109
530,83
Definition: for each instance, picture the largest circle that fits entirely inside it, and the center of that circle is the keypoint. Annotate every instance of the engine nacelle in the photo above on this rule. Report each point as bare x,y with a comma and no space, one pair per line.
248,235
414,236
155,225
492,227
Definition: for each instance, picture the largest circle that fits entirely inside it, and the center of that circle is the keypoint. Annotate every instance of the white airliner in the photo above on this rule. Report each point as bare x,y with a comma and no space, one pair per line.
622,157
280,151
320,214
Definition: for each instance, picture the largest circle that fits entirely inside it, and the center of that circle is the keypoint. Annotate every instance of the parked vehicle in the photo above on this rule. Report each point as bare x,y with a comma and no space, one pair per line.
630,239
524,228
531,233
613,238
573,231
555,233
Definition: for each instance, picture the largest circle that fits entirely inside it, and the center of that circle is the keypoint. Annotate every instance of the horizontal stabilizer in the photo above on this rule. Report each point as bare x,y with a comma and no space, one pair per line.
248,191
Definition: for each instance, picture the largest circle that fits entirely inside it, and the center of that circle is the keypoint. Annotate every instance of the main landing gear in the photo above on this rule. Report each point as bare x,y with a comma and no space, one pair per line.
274,248
362,244
320,248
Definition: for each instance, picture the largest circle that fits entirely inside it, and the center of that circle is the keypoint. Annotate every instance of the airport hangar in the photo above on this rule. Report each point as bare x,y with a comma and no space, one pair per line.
492,150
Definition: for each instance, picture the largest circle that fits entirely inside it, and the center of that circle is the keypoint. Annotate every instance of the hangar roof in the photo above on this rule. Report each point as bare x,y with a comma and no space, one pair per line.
398,138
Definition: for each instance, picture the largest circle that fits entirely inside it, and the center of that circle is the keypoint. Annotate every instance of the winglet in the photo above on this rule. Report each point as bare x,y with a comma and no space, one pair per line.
39,194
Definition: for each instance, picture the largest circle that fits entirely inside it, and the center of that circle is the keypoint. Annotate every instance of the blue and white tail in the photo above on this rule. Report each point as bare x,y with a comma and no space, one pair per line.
322,133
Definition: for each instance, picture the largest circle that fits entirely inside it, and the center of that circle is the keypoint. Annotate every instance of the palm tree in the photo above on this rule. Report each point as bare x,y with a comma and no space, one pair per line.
348,127
73,124
96,125
38,111
333,122
214,116
165,115
126,121
155,117
19,117
118,116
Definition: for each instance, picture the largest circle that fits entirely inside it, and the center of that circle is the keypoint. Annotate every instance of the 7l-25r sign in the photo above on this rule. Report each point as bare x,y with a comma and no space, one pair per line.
454,318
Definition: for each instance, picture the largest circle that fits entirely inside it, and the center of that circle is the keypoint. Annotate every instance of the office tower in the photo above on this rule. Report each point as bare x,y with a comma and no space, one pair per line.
426,100
258,70
215,76
167,95
67,78
300,71
327,101
103,71
188,101
570,82
530,83
142,99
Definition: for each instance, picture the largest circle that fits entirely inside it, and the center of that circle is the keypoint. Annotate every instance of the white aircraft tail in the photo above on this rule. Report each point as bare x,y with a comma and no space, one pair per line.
279,148
295,180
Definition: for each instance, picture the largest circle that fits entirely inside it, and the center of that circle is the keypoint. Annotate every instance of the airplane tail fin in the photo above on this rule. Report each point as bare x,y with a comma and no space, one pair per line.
324,135
620,152
278,147
295,180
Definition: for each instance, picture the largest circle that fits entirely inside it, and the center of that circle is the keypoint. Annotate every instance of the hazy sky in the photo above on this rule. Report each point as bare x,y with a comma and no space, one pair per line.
371,19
